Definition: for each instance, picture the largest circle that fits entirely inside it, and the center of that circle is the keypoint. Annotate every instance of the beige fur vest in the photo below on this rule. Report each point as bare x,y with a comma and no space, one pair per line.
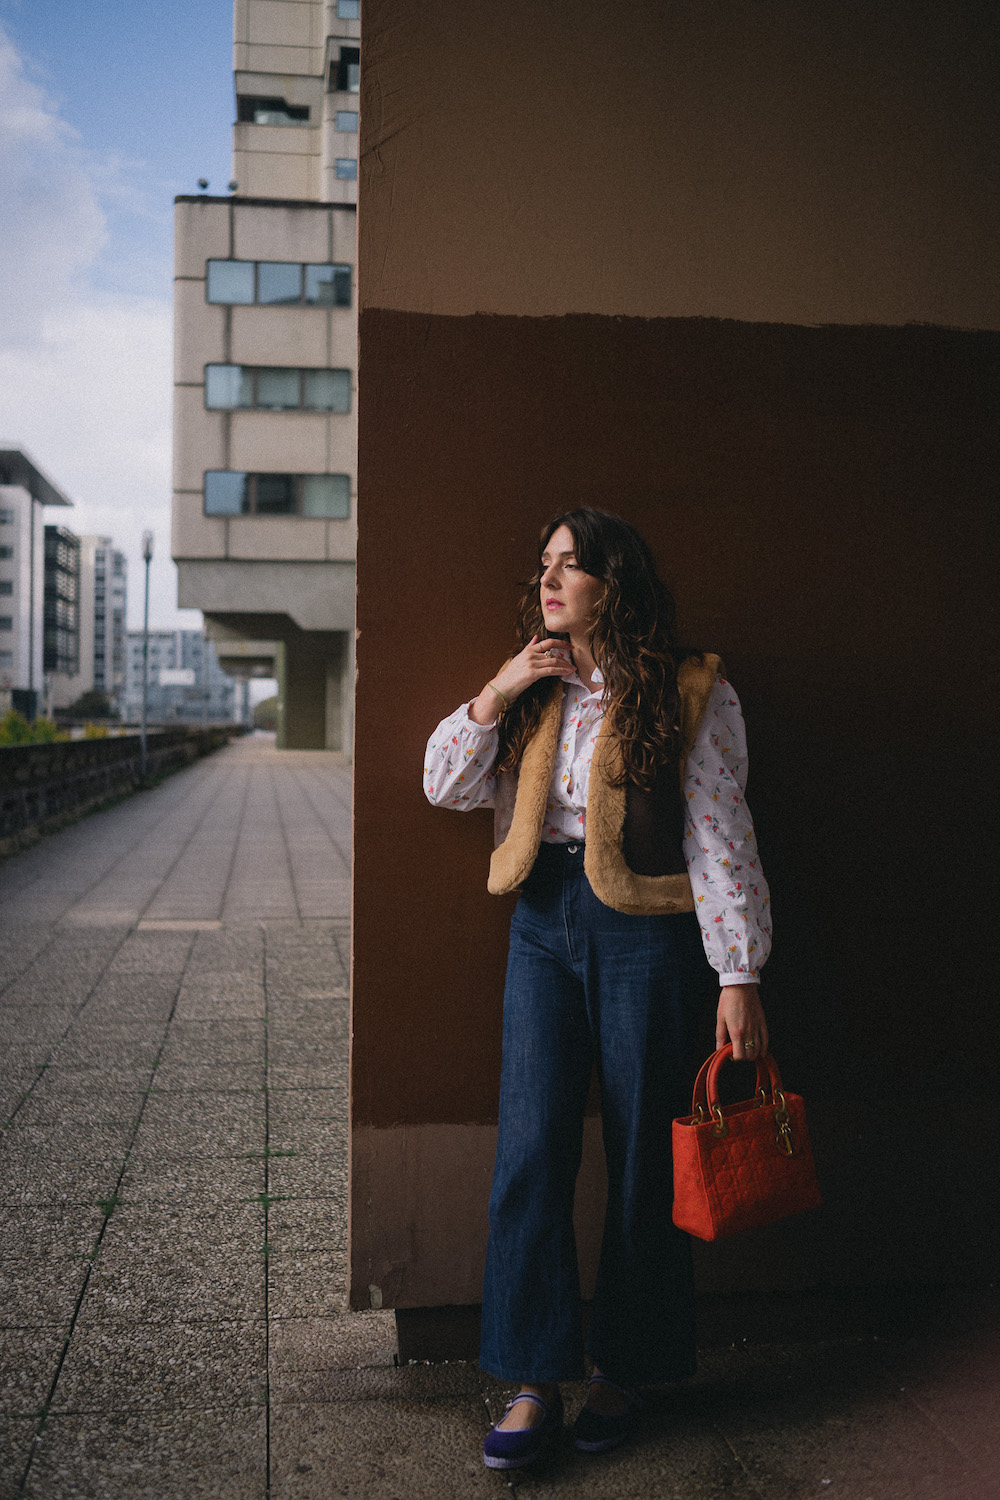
521,808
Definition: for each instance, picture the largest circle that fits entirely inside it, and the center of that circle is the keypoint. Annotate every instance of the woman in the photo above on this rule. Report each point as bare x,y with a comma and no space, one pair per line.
616,764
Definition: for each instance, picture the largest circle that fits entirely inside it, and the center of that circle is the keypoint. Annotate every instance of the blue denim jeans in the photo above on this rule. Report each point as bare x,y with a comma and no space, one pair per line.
589,985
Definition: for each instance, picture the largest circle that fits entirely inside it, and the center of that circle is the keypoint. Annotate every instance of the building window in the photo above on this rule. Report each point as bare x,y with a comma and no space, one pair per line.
239,387
6,622
321,496
6,517
348,10
6,658
346,168
277,283
345,73
6,553
346,120
255,111
6,588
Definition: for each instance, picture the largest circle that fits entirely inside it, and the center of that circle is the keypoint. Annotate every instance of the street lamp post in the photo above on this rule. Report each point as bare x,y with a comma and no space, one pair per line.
147,554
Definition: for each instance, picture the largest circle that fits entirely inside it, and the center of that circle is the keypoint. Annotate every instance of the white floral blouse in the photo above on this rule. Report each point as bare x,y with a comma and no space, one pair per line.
730,892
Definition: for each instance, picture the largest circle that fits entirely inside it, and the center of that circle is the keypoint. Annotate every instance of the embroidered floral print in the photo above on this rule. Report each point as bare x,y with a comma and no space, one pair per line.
731,895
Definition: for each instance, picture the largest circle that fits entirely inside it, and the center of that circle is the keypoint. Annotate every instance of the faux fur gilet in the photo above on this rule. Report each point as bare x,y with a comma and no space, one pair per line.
520,826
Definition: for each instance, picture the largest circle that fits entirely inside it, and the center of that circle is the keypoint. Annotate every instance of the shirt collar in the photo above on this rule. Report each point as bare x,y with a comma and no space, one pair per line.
598,681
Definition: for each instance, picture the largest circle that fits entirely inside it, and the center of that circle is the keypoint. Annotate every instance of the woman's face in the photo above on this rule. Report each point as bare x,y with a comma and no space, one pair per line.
568,595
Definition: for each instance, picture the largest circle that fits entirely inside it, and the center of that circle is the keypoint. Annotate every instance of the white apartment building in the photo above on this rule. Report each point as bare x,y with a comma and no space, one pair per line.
103,607
24,492
265,440
185,682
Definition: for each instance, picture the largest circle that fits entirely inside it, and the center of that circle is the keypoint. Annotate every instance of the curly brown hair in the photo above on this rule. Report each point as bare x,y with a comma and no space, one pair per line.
633,641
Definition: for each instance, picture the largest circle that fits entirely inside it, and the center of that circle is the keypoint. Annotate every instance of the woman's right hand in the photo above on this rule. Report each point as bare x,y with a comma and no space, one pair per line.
550,657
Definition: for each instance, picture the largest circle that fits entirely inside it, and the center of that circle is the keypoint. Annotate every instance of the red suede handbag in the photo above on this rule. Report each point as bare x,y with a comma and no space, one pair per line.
738,1166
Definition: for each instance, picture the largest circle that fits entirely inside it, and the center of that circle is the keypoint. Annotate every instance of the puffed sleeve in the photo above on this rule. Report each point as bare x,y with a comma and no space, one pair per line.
458,766
731,895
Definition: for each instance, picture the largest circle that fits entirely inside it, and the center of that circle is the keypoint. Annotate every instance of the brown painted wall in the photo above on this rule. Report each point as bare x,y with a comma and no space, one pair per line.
770,160
820,496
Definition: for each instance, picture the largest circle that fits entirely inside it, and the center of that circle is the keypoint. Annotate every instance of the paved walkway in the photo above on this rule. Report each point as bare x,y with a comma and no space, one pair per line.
173,1196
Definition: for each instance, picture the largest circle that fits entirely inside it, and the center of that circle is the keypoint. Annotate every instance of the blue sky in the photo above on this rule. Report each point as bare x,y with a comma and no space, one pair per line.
108,108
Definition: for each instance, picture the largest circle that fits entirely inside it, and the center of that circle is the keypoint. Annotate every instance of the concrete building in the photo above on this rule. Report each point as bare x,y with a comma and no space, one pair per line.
103,602
61,652
186,683
24,492
265,370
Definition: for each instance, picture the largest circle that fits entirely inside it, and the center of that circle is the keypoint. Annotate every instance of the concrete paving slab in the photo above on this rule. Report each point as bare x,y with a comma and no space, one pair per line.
312,1285
197,1183
200,1124
209,1002
379,1450
17,1439
308,1137
35,1293
153,953
65,1231
152,1281
29,1358
40,1145
133,1047
218,1454
291,1105
411,1383
132,1367
25,1180
297,1225
308,1345
210,1042
309,1177
297,1077
51,1104
200,1078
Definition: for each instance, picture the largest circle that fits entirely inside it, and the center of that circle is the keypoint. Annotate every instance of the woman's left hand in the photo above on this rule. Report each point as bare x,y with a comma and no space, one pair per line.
740,1019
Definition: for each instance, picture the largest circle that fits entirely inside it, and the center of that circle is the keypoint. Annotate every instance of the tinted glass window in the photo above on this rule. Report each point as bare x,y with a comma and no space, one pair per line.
227,387
328,390
346,120
278,390
349,10
278,282
327,495
226,493
346,168
275,494
328,286
230,281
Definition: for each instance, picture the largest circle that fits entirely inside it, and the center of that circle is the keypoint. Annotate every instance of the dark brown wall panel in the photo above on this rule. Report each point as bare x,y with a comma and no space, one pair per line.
823,501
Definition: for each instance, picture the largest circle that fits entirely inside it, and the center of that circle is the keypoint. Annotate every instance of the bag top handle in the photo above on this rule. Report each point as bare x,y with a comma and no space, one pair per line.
706,1085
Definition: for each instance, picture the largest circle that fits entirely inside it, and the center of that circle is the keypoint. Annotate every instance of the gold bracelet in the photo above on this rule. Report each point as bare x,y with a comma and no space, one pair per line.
500,695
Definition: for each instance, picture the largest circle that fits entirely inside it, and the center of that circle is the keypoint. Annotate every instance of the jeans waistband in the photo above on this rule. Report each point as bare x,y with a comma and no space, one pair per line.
562,853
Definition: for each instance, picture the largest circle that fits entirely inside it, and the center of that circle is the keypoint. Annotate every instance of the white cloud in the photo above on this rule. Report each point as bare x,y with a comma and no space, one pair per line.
85,376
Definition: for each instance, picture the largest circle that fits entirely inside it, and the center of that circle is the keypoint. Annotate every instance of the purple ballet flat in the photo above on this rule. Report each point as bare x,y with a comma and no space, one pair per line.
522,1445
596,1432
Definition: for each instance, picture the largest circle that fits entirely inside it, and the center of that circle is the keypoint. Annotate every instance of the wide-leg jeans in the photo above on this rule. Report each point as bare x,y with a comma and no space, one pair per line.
590,985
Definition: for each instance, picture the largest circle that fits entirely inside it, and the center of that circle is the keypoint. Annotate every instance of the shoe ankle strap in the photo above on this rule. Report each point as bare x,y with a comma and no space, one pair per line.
527,1396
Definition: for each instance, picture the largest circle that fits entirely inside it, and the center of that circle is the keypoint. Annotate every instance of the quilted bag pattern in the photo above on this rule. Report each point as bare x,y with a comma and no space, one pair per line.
741,1165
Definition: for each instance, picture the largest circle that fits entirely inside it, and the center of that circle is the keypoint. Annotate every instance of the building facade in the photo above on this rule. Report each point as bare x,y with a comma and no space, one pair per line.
24,493
265,436
103,603
186,683
61,644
